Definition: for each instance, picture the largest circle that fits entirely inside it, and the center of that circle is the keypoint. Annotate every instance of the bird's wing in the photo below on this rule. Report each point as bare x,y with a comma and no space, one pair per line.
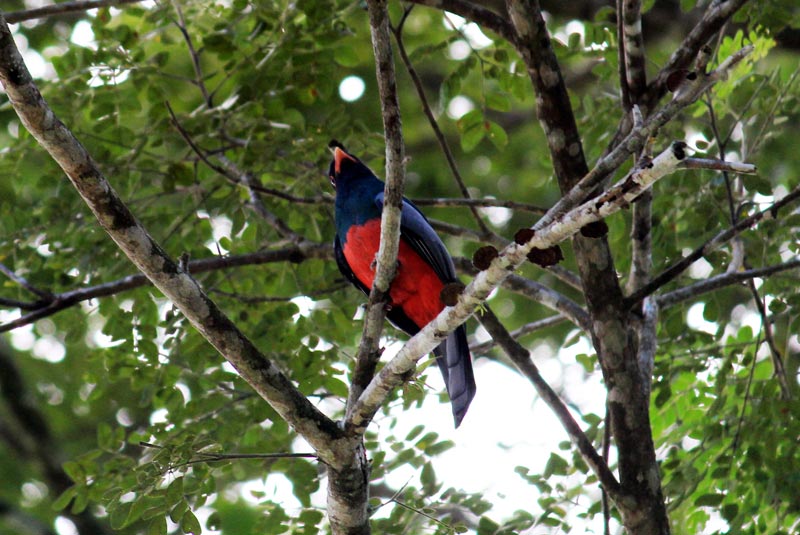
418,233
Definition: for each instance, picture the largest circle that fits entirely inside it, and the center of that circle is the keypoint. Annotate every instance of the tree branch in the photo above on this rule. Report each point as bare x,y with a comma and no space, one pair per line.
639,135
386,258
715,17
522,359
448,154
480,349
24,283
720,281
63,8
633,43
474,12
61,301
539,293
121,225
678,267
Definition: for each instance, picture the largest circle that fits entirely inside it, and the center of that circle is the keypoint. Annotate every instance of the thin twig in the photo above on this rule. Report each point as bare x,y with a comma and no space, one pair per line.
720,281
198,71
738,434
538,325
426,108
777,359
233,174
282,299
22,281
70,298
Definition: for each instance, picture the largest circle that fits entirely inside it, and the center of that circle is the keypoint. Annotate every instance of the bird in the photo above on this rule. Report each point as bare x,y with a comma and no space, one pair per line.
424,267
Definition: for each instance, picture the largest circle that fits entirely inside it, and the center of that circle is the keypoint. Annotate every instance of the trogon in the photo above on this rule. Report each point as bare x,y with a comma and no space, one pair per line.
424,267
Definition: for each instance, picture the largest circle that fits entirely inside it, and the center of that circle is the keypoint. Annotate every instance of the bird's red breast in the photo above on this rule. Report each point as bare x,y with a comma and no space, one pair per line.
415,289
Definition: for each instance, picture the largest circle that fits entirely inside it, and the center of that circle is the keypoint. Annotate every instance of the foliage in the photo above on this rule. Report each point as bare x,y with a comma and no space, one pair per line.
136,404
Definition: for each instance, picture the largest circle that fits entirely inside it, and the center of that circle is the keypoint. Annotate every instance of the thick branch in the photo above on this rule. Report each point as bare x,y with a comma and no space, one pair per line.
386,259
153,261
639,135
633,42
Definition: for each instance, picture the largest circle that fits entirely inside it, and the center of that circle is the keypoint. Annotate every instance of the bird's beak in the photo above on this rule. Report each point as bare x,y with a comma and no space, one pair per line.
338,156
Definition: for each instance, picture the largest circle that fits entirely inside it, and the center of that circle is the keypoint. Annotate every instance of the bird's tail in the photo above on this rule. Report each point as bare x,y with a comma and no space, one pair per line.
455,364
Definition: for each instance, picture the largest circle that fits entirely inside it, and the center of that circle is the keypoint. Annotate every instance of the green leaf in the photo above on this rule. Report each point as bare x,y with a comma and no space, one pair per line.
64,498
497,135
709,500
190,524
158,526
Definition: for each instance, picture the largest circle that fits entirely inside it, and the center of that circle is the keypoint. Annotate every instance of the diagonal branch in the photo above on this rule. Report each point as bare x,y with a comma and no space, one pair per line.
714,18
681,265
636,139
720,281
22,281
426,108
474,12
539,293
479,349
522,359
122,226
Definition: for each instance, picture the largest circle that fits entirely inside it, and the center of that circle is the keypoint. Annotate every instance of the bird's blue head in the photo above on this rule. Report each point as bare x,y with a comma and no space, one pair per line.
345,167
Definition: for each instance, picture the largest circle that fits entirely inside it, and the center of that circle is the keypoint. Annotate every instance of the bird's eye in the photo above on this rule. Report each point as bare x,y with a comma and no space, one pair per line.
333,181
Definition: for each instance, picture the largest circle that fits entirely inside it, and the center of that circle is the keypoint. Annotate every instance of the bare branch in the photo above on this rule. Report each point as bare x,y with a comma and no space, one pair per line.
63,9
719,165
474,12
233,174
715,17
633,44
198,71
678,267
720,281
779,369
482,203
479,349
538,293
636,139
24,283
386,258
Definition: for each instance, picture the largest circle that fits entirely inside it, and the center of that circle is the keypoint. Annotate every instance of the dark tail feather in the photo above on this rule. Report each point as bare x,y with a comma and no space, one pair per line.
455,364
